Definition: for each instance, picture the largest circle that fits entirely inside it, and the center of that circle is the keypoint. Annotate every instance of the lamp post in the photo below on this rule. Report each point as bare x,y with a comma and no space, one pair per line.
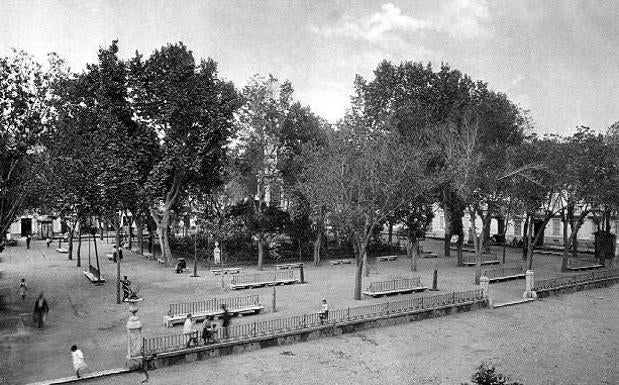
195,253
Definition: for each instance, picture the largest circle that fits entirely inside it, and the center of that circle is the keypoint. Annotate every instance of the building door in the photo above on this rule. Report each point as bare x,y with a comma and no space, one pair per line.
26,226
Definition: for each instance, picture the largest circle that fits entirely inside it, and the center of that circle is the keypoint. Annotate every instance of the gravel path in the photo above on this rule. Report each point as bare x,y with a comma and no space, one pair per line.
571,339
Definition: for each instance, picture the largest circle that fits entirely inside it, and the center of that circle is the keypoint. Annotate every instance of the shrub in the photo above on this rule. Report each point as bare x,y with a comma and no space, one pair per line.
486,375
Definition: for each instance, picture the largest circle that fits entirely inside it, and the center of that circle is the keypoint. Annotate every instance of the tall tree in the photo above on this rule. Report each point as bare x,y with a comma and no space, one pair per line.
191,111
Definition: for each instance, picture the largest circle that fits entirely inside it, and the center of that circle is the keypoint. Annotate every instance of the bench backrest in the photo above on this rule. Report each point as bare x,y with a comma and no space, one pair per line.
504,272
265,277
213,305
396,284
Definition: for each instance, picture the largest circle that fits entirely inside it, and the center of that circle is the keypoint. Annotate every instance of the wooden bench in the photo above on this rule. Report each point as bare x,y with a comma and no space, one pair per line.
340,261
288,266
486,259
387,258
238,306
93,275
580,265
396,286
267,279
228,270
428,254
505,274
62,250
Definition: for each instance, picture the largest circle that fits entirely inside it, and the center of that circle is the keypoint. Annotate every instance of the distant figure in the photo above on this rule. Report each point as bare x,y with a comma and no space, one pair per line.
225,320
28,238
207,330
40,311
23,288
214,332
49,241
189,331
78,360
125,285
324,311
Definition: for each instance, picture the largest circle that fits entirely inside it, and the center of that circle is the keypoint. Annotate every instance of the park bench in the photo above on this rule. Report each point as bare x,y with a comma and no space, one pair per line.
228,270
396,286
238,306
265,279
486,259
93,275
428,254
581,265
505,273
387,258
340,262
288,266
465,249
62,250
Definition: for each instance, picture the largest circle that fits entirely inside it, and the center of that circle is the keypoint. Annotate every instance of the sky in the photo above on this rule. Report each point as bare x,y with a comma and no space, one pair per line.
557,59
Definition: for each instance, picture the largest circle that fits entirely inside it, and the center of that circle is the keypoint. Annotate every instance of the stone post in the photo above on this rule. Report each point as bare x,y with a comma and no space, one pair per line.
529,285
134,336
484,283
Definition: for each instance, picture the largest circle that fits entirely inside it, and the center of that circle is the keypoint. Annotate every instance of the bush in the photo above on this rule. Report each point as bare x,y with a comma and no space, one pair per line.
486,375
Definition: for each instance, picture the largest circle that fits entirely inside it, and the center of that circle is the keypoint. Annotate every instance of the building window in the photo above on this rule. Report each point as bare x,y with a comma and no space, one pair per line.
517,227
441,222
556,227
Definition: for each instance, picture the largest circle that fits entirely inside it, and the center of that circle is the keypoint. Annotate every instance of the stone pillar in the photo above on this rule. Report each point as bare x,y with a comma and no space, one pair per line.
134,337
484,283
529,285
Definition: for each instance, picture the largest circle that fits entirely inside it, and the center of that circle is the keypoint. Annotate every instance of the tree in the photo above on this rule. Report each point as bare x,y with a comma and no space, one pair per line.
25,115
360,177
191,111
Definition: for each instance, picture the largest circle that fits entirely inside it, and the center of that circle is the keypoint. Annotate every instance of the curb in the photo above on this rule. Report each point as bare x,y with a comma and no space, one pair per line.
87,376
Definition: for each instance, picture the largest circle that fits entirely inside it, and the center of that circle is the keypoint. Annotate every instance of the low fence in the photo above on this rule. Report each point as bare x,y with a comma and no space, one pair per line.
396,284
264,277
573,262
212,305
504,272
548,284
164,344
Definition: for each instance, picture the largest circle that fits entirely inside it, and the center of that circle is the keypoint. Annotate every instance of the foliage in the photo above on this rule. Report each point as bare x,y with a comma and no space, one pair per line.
486,375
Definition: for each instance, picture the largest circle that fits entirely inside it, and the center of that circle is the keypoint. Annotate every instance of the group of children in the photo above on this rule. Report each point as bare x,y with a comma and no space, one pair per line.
209,332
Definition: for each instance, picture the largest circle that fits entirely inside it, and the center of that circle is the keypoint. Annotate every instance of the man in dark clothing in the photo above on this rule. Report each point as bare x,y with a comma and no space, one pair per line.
125,284
28,238
40,310
225,320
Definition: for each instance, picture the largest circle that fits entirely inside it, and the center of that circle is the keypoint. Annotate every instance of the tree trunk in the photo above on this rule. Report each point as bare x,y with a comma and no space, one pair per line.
71,230
535,240
525,239
140,234
79,246
412,249
389,240
447,241
360,260
476,246
165,246
317,246
366,265
260,252
118,252
566,244
94,238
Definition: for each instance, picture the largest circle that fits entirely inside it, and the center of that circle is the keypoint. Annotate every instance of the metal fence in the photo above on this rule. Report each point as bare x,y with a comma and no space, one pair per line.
573,262
396,284
275,276
155,345
504,272
213,305
546,284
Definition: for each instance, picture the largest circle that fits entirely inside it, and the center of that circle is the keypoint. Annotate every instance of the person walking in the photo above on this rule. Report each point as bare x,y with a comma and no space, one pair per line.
324,311
49,241
40,311
78,360
23,288
225,320
28,238
188,331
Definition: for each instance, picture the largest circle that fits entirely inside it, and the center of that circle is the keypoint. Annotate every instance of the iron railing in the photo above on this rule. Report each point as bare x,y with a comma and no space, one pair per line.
170,343
396,284
276,276
575,280
504,272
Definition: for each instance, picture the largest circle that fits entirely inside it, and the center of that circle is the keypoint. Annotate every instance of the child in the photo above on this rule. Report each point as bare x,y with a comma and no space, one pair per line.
78,360
207,330
324,312
23,288
49,242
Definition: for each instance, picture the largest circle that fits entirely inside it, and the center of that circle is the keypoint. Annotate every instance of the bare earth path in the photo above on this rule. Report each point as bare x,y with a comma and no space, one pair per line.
579,330
571,339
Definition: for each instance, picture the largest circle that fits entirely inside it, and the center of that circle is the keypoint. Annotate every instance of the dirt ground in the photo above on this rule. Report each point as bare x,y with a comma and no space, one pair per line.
88,316
568,340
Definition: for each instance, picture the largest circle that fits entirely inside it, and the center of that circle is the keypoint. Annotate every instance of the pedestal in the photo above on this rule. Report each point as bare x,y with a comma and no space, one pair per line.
529,285
484,283
134,336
